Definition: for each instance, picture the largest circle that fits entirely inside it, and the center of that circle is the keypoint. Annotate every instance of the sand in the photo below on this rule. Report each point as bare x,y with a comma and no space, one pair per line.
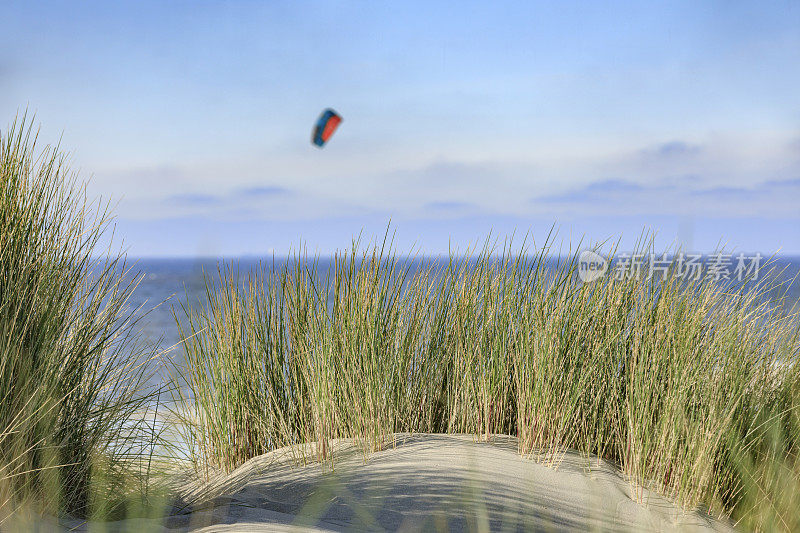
420,483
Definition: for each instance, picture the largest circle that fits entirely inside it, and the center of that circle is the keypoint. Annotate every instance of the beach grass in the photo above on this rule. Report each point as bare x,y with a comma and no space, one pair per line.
690,386
72,373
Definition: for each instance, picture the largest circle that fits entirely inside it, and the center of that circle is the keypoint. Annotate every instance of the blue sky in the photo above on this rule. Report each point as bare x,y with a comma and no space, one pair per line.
459,119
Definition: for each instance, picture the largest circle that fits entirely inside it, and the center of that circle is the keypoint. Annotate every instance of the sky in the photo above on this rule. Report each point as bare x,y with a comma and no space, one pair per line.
461,120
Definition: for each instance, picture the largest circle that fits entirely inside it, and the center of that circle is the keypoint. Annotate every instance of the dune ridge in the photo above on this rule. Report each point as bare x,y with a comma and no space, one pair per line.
419,482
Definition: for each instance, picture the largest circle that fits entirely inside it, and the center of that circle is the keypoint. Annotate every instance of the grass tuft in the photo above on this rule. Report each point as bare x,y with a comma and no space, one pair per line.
72,375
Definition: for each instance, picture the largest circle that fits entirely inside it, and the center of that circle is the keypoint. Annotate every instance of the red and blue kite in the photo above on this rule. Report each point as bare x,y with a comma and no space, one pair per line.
327,123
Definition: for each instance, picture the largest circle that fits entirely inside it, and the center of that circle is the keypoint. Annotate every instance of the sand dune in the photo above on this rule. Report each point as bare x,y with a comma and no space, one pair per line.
421,483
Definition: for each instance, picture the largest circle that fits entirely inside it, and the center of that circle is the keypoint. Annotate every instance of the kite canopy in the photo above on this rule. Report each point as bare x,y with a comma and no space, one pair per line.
327,123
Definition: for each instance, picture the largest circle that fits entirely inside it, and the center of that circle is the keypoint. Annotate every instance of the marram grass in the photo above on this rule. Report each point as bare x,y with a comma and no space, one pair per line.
71,374
683,384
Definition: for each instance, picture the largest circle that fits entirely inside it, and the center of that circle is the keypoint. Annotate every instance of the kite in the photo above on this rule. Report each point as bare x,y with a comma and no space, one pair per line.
327,123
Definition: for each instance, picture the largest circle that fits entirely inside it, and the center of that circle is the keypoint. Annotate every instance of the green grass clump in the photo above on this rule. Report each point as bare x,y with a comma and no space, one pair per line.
683,383
71,376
